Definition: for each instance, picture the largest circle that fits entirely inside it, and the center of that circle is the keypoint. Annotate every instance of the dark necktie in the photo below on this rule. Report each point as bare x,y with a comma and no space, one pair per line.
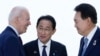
44,51
85,46
20,40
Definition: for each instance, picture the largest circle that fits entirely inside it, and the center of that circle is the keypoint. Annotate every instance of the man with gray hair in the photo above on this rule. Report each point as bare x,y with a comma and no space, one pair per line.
10,41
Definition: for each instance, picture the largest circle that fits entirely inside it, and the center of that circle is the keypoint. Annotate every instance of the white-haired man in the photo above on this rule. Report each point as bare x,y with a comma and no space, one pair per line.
10,42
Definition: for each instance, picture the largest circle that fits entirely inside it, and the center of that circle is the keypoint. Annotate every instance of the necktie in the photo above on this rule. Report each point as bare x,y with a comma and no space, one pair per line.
20,40
85,46
44,51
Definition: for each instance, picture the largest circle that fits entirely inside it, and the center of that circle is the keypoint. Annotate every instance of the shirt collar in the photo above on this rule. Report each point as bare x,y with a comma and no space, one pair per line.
41,44
91,34
14,29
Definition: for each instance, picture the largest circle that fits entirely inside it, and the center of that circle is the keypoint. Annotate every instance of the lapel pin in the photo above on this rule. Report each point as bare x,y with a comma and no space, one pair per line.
35,52
94,43
53,54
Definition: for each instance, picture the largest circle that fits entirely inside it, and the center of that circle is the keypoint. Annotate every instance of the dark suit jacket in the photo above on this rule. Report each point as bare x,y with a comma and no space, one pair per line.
10,44
93,48
56,49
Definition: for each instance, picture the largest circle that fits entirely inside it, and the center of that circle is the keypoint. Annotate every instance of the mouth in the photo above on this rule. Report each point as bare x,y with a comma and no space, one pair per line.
42,37
26,26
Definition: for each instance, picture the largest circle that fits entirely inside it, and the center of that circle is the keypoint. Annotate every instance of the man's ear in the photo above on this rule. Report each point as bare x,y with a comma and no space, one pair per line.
15,20
54,31
89,21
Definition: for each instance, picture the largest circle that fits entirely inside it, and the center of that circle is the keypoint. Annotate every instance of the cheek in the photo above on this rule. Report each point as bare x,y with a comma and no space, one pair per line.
80,24
83,27
79,27
21,23
49,35
23,26
38,33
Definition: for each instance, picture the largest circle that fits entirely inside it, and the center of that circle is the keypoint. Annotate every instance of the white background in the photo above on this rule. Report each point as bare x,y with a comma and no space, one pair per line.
61,10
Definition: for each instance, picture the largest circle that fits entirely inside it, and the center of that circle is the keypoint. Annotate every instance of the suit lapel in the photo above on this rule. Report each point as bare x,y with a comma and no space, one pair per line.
81,46
22,52
93,42
36,49
19,40
53,51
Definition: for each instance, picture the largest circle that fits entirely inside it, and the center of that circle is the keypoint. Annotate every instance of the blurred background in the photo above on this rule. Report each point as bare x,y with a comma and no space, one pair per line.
61,10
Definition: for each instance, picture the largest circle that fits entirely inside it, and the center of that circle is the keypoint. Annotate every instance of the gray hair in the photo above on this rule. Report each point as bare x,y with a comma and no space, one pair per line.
16,11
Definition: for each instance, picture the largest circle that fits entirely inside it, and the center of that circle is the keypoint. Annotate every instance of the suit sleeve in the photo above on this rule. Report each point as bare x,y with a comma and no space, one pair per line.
11,47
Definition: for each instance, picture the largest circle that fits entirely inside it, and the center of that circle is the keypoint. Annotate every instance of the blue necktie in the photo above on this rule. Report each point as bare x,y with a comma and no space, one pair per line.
20,40
85,46
44,51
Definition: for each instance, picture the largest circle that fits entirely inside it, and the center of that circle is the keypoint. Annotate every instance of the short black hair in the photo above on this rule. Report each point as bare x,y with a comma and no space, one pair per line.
87,10
49,18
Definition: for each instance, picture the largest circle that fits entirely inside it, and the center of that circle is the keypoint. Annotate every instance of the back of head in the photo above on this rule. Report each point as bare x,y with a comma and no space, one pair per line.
16,12
86,11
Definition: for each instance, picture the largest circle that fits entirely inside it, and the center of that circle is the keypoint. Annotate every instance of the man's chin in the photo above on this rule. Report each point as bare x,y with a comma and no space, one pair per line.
43,41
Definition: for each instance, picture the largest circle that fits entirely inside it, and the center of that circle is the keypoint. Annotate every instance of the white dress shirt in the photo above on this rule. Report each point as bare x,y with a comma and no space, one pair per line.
40,44
91,34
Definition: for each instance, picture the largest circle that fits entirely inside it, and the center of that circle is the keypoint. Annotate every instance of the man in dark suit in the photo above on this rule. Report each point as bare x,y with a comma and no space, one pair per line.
10,42
44,46
85,22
